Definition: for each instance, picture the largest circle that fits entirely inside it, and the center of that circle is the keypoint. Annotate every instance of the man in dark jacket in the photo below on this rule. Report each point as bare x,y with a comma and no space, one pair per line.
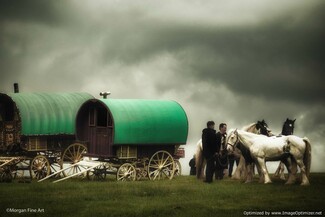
222,156
193,167
209,143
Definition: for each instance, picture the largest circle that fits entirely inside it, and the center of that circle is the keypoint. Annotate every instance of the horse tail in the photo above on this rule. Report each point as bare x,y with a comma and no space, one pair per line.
307,156
199,159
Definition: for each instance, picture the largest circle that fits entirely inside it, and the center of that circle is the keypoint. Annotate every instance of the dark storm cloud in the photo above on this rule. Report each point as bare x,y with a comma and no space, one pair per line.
34,11
280,59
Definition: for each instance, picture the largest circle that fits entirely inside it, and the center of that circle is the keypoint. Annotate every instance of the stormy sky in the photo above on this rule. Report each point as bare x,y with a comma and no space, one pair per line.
228,61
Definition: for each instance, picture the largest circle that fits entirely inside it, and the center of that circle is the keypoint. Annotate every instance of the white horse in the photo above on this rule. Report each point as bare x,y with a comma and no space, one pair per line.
263,148
242,171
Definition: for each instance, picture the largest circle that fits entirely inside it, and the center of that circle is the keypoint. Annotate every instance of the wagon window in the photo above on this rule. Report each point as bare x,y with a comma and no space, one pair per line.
92,117
7,110
101,117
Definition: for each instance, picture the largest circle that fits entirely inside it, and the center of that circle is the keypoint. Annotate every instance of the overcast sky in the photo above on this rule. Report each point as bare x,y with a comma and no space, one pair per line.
227,61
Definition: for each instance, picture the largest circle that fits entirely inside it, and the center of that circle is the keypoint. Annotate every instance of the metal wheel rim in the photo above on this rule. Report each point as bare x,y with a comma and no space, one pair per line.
126,172
178,168
71,155
97,174
161,166
6,174
40,167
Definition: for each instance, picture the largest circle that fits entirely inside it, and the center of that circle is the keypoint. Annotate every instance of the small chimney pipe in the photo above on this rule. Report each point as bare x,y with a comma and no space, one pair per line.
16,88
104,94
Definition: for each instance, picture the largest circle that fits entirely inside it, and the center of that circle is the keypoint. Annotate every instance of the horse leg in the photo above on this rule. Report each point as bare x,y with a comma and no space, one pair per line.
261,175
277,172
202,174
199,162
237,173
282,171
302,167
249,177
292,169
261,162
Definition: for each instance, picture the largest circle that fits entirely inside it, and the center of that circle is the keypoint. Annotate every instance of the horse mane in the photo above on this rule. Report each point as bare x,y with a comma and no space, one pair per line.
249,127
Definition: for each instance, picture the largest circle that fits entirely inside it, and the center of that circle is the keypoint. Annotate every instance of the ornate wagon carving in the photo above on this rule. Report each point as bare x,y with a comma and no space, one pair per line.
35,130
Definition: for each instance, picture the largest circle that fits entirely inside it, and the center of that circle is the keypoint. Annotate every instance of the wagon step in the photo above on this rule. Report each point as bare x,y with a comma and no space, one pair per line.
85,163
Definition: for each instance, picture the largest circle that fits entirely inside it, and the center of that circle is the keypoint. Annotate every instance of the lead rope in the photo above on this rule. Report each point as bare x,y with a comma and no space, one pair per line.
221,150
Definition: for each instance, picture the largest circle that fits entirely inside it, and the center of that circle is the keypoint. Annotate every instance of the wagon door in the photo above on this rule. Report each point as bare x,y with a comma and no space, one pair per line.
101,131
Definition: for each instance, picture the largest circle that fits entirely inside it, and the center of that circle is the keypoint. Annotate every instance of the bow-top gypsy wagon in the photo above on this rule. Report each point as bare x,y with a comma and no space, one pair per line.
134,138
70,134
37,130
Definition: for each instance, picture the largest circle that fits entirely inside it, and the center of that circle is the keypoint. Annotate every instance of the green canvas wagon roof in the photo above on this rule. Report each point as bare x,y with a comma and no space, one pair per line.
48,113
147,121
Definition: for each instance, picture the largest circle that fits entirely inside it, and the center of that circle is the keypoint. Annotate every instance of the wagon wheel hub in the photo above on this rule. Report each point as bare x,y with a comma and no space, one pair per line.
39,167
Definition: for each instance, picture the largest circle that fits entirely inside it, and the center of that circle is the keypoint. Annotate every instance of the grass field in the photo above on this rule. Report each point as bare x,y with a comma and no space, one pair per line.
183,196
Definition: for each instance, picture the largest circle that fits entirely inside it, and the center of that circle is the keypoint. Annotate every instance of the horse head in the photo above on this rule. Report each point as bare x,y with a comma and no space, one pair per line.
288,127
232,140
263,128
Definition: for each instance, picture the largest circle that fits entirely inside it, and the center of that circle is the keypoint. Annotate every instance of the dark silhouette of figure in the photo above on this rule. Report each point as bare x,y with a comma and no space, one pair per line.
193,166
210,148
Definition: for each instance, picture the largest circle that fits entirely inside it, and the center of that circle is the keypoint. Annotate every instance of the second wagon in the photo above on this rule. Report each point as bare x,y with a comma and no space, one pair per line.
133,138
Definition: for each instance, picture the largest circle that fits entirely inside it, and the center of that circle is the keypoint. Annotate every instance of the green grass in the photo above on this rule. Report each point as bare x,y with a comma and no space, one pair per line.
183,196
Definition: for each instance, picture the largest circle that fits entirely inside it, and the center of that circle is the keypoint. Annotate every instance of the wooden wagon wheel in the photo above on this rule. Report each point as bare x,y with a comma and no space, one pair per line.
98,173
55,161
6,174
19,171
161,166
39,167
126,172
72,155
178,168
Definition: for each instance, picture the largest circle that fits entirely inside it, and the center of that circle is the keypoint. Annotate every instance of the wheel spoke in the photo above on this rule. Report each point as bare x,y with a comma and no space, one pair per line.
70,152
72,155
160,165
78,151
165,161
162,158
168,164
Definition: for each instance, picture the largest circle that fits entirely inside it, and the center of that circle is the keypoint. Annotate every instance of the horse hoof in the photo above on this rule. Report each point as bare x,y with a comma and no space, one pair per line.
269,182
305,184
283,178
288,183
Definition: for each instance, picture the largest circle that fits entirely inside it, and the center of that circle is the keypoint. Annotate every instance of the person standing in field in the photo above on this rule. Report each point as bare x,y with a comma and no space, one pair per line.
222,156
193,167
209,143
